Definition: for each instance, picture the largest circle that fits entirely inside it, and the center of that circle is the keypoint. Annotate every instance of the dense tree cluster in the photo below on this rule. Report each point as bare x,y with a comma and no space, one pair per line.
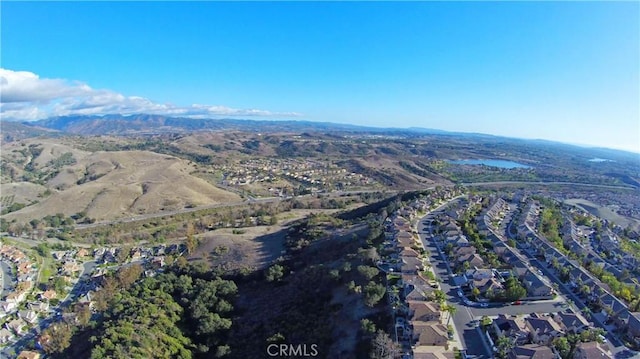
182,313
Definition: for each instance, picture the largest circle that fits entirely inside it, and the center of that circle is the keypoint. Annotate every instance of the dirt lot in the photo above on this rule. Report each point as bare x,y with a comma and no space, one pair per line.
250,247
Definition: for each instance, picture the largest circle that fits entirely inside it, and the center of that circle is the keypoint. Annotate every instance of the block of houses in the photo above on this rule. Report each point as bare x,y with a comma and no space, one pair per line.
591,350
423,311
532,351
430,334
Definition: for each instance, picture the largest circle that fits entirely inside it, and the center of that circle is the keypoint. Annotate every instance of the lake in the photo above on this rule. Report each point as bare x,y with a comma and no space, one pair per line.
600,160
492,163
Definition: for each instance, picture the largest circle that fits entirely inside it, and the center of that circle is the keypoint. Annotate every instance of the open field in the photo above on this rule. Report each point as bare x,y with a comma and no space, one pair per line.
603,212
107,185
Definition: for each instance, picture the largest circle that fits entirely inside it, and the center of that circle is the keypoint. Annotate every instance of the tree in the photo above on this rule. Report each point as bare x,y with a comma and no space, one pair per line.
127,275
83,314
439,296
562,346
275,273
58,338
504,345
369,254
373,292
475,292
485,321
191,243
383,347
368,327
368,272
449,309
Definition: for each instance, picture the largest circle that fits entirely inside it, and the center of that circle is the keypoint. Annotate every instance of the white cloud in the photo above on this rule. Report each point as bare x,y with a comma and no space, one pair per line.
25,96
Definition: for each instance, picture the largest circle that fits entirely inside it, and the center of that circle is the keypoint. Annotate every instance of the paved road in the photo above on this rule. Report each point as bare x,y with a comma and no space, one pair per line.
250,200
469,335
7,278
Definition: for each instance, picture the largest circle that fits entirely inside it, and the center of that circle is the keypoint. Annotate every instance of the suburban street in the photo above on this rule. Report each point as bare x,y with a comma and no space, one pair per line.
466,317
7,282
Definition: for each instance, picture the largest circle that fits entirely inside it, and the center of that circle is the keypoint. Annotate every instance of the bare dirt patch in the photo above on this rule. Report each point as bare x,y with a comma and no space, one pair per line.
250,248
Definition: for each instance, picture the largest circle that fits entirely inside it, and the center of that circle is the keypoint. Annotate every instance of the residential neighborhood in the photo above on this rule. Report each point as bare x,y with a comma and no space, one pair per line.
475,275
32,301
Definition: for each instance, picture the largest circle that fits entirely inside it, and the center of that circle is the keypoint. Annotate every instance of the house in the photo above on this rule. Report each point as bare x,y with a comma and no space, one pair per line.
512,327
475,274
543,329
409,252
633,328
611,305
421,311
49,294
8,306
591,350
29,316
535,286
17,326
570,322
486,285
70,266
532,351
411,265
416,287
38,306
27,354
474,260
136,254
82,252
430,334
157,262
15,297
5,335
461,251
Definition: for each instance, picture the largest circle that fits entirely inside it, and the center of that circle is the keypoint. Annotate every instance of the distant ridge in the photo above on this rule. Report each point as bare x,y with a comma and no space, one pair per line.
141,123
115,124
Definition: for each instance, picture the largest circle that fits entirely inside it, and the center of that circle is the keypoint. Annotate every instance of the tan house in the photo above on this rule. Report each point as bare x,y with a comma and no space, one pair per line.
591,350
532,351
430,334
27,354
49,294
420,311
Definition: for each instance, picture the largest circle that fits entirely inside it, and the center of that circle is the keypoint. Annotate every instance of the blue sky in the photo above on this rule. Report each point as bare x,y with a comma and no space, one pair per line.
566,71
